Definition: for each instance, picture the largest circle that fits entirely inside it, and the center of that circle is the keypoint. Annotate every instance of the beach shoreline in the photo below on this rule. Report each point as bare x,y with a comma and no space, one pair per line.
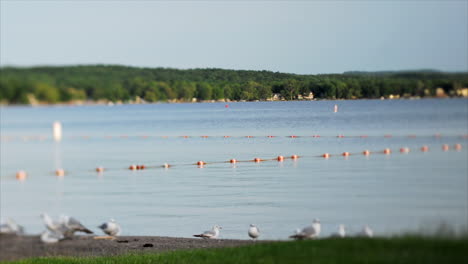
14,247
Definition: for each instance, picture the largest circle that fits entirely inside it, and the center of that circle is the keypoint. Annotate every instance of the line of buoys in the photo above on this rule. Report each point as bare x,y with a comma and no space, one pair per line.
21,175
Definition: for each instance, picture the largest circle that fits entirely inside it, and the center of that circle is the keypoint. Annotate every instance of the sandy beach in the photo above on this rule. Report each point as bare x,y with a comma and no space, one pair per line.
19,247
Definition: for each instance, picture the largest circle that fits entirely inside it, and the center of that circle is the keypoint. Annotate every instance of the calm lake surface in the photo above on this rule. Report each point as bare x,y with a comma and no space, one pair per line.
391,193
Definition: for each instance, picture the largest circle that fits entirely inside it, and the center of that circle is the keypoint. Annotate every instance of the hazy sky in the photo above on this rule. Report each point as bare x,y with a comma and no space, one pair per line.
286,36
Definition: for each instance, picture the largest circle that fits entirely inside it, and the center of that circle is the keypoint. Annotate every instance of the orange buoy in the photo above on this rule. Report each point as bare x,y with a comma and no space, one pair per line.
204,136
233,161
340,136
185,136
100,169
364,136
293,136
227,136
280,158
366,152
404,150
166,165
424,148
316,136
458,146
345,154
387,151
141,167
257,160
326,155
226,106
249,136
270,136
59,172
294,157
132,167
445,147
201,163
21,175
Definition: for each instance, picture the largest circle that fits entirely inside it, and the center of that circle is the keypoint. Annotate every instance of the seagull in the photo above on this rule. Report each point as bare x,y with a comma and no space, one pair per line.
53,226
254,232
72,225
213,233
111,228
312,231
50,237
366,232
11,227
341,232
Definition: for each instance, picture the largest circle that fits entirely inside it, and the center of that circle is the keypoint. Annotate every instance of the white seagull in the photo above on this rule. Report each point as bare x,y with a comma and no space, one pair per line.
366,232
72,225
213,233
341,232
53,226
50,237
254,232
11,227
312,231
111,228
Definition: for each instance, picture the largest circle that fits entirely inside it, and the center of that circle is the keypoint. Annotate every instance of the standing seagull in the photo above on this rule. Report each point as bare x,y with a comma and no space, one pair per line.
312,231
111,228
341,232
213,233
72,225
11,227
366,232
50,237
254,232
53,226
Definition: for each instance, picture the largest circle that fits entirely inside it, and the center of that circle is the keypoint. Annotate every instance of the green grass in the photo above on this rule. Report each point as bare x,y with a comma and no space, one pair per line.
351,250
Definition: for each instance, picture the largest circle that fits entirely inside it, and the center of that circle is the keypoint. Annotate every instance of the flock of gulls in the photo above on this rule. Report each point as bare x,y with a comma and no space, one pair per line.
65,227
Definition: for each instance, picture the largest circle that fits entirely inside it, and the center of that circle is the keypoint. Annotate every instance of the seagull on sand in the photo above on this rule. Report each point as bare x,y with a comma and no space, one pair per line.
341,232
111,228
50,237
213,233
312,231
11,227
72,225
254,232
366,232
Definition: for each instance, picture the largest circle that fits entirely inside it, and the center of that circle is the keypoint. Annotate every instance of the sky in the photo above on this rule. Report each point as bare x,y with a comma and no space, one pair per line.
303,37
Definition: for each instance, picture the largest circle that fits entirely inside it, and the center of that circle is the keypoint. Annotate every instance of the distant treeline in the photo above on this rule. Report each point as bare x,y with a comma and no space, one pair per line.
120,83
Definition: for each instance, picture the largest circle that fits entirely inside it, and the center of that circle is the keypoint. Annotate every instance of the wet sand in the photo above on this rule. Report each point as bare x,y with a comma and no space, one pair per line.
18,247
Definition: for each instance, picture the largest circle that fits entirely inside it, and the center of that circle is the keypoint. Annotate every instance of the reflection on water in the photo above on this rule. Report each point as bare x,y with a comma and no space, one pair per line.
391,193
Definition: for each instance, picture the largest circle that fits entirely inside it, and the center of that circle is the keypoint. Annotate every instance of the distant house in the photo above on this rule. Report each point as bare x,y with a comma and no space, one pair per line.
275,97
310,96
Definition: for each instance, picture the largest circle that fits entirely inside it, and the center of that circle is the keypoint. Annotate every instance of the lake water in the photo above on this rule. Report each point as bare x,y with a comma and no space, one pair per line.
391,193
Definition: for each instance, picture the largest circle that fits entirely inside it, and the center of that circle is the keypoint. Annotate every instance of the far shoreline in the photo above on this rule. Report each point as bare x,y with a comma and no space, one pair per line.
110,103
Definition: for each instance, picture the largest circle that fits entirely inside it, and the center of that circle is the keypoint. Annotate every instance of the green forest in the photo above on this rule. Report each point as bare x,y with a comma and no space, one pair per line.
112,83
